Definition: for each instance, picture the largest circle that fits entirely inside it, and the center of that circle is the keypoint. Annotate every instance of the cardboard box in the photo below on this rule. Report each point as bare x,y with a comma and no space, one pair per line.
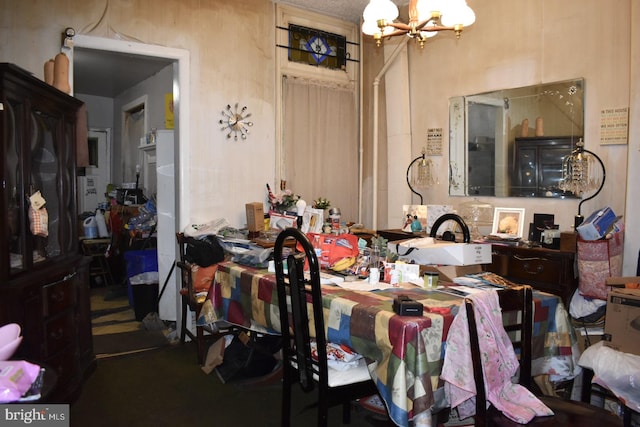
424,251
620,282
597,224
622,322
255,216
588,337
569,241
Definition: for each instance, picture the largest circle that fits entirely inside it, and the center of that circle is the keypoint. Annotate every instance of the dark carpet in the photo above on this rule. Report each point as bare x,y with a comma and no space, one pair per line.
125,342
167,387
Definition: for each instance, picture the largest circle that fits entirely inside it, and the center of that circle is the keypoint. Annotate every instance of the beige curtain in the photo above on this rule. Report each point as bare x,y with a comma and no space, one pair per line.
320,144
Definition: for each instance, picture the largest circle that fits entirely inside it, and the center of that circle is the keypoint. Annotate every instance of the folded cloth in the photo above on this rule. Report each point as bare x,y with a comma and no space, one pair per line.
499,364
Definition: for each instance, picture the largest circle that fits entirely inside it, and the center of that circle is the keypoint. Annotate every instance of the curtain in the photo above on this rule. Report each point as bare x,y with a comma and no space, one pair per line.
320,143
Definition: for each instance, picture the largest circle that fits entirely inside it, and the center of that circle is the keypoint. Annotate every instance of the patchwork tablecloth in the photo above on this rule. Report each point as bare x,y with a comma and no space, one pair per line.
409,351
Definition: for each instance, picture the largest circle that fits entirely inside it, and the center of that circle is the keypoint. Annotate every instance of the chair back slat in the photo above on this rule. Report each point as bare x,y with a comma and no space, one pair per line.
302,293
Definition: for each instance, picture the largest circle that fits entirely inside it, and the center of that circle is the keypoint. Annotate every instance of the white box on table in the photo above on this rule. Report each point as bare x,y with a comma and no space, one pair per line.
425,251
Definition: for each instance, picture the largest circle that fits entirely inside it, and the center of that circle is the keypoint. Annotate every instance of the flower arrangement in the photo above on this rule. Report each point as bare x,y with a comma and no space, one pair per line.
284,201
321,203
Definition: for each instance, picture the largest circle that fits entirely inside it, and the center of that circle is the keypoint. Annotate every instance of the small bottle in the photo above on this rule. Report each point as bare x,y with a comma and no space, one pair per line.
430,279
317,247
334,216
374,264
395,278
374,257
374,275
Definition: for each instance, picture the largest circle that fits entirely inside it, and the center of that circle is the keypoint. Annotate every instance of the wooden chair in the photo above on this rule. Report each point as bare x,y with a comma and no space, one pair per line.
294,293
205,334
566,412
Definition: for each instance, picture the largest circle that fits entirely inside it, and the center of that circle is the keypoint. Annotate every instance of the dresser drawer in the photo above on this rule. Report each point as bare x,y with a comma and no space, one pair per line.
58,296
59,331
64,364
535,269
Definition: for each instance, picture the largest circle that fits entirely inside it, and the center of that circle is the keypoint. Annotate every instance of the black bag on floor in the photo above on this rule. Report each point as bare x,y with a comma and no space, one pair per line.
251,360
204,251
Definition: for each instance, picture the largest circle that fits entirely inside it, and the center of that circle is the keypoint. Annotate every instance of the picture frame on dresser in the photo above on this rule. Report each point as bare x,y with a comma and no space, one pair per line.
508,223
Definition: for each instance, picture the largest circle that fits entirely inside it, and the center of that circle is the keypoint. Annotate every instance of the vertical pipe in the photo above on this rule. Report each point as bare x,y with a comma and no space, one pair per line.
376,85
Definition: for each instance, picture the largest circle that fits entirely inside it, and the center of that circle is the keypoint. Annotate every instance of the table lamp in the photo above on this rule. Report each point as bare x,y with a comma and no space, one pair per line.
579,175
424,176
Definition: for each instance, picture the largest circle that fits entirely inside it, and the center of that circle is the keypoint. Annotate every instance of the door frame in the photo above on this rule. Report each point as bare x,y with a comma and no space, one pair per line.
170,304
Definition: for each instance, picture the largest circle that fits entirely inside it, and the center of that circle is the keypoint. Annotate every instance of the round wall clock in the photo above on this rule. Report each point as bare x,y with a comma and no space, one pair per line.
235,122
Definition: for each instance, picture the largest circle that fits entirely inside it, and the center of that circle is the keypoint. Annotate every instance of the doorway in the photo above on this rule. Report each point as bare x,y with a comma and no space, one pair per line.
179,213
93,184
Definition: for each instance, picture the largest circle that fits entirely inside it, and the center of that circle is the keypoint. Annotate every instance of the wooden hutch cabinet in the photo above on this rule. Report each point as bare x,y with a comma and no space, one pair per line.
44,284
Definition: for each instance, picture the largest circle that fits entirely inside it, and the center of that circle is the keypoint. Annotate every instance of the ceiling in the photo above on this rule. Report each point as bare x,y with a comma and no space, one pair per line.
107,74
104,73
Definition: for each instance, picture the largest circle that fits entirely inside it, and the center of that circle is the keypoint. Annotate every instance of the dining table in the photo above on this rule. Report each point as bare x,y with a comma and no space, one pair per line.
407,351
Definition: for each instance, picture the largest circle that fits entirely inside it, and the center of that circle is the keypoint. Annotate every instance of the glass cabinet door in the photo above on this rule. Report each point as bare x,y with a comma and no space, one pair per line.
37,143
44,177
13,122
526,172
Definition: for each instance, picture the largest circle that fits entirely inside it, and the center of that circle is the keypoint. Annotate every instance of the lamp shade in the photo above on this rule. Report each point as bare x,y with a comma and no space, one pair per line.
380,9
457,12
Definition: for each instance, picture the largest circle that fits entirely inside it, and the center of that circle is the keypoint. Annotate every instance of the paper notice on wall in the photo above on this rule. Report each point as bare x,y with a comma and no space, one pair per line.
434,142
168,111
614,126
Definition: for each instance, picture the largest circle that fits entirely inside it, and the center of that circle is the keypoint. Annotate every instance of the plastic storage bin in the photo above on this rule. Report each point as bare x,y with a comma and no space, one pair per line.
142,274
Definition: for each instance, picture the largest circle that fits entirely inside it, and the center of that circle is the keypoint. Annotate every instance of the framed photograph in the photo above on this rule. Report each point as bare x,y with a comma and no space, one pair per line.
508,223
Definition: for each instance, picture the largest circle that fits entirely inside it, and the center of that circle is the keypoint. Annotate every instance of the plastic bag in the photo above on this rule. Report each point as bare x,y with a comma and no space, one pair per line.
16,378
204,250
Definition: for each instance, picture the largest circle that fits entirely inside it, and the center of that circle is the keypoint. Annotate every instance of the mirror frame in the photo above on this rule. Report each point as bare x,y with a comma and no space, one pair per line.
557,108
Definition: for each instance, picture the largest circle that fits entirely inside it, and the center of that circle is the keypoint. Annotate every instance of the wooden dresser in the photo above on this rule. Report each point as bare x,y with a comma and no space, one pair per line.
548,270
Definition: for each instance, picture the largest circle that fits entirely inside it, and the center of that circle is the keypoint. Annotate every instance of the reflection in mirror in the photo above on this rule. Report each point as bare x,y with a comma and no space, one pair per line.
498,143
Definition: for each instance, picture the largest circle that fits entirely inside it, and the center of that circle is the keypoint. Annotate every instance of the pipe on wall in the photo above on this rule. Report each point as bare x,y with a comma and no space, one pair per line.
376,86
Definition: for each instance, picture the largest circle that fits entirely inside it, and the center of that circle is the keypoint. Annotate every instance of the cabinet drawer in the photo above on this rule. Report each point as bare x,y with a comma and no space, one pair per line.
535,269
64,363
59,332
58,296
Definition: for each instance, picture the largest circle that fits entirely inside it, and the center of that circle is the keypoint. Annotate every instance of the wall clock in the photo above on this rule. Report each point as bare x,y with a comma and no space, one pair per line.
235,122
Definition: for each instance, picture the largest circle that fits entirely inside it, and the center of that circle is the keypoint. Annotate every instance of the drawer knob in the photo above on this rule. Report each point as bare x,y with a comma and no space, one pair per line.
535,270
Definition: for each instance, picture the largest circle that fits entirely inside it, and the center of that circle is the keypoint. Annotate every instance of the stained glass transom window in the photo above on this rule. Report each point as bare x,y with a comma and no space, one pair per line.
315,47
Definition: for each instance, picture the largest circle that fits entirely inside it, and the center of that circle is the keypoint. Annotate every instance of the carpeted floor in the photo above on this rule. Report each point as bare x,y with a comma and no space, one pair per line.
115,329
167,387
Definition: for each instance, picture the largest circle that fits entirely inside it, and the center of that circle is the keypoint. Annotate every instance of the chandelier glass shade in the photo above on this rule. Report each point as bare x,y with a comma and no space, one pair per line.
583,172
426,19
421,176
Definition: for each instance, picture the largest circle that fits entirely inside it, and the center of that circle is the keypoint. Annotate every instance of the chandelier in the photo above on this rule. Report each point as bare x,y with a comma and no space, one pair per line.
582,172
426,19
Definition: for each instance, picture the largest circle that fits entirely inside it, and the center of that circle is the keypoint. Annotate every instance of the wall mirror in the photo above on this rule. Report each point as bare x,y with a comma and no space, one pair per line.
511,142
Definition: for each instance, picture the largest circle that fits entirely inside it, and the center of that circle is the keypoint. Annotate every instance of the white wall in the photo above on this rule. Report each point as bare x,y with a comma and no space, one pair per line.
99,110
